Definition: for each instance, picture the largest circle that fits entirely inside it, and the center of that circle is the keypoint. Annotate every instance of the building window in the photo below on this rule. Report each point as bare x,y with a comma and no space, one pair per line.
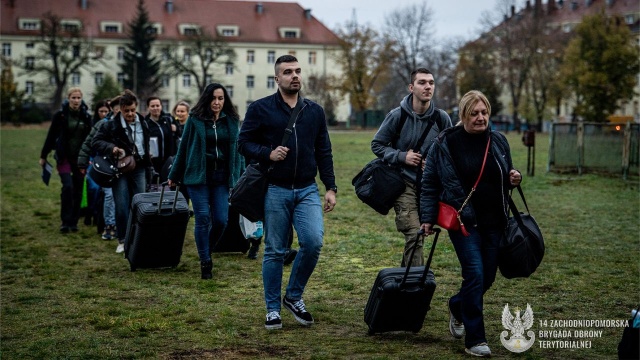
629,19
121,79
6,49
111,29
250,81
70,27
228,32
186,55
121,53
29,24
75,78
76,51
164,54
99,78
208,79
251,56
312,57
249,102
271,57
186,80
228,69
290,34
566,28
30,45
230,90
28,88
165,80
208,55
165,104
271,82
29,62
52,80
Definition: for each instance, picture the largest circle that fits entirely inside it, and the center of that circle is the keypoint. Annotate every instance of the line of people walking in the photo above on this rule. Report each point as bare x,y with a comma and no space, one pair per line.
208,149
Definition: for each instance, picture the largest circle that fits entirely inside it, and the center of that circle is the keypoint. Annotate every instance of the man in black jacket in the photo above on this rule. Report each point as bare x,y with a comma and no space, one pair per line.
292,196
125,134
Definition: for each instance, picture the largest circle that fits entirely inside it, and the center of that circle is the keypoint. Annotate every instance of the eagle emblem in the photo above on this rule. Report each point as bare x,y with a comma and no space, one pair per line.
517,325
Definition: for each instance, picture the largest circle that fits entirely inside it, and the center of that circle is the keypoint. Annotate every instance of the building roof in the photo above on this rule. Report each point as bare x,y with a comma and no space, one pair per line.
257,21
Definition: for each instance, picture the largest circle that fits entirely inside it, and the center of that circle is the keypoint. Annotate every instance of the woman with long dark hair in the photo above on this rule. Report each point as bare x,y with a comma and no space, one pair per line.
208,164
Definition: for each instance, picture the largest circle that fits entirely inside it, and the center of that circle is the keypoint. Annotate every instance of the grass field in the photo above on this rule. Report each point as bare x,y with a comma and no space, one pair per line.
71,297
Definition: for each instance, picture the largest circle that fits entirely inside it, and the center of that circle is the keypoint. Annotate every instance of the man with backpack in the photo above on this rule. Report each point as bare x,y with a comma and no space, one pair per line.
403,141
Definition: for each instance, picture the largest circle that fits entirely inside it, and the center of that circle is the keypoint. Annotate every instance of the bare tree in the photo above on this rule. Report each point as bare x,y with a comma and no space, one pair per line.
200,53
364,57
61,51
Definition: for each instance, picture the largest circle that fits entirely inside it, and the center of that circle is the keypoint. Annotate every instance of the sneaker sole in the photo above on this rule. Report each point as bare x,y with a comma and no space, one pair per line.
273,327
477,355
298,319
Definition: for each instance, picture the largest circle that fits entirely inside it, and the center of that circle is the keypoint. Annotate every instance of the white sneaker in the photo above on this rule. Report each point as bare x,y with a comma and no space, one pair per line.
480,350
456,328
120,248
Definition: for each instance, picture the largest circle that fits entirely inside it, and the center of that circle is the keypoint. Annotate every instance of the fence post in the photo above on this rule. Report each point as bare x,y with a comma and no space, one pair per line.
552,147
626,150
580,140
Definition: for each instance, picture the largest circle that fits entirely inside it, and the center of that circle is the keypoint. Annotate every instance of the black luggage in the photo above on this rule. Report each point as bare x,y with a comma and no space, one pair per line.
156,229
401,297
232,239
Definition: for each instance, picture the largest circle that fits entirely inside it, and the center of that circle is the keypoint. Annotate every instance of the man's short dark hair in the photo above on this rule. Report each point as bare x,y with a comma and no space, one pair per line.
284,59
419,71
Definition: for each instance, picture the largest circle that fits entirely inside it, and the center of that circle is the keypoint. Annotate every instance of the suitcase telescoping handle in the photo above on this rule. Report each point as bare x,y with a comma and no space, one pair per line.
175,199
413,250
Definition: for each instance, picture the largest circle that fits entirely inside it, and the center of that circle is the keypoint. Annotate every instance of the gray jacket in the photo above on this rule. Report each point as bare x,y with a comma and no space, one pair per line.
391,143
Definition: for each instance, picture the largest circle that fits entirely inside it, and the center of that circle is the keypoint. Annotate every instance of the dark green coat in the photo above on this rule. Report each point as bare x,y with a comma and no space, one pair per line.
190,163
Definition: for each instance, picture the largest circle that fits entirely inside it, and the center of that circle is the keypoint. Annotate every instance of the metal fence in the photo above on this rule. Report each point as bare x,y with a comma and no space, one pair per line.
584,147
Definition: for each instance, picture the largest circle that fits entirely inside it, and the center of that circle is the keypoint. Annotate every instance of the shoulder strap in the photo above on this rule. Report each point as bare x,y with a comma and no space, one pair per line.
403,119
292,120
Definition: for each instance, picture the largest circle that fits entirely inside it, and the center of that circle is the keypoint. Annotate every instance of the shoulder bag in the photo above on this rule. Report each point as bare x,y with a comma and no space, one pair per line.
448,216
522,247
103,171
247,196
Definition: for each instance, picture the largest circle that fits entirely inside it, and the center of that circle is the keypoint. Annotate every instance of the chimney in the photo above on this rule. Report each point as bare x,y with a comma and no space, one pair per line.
307,14
83,4
169,6
551,6
259,8
560,3
528,6
538,7
574,5
513,10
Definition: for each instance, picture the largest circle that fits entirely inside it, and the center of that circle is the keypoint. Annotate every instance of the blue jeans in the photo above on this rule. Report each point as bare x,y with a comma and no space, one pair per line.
123,190
303,209
109,207
211,209
478,256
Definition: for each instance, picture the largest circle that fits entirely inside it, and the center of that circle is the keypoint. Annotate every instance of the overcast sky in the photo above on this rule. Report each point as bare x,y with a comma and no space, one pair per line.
452,17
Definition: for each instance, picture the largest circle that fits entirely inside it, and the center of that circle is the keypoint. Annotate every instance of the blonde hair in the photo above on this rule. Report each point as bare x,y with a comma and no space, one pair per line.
469,101
181,102
74,89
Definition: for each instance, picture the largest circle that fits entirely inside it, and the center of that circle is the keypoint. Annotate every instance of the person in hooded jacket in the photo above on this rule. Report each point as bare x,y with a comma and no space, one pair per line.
396,142
453,166
69,127
209,165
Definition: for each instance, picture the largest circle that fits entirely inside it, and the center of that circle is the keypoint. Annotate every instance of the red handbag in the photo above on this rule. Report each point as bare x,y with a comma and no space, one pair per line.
448,216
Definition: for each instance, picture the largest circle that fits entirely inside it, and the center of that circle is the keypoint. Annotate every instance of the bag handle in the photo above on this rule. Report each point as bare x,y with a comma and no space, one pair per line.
514,209
175,199
413,250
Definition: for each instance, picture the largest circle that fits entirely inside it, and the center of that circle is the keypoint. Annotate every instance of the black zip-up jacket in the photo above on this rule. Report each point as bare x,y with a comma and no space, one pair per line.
59,132
112,134
441,182
309,144
161,130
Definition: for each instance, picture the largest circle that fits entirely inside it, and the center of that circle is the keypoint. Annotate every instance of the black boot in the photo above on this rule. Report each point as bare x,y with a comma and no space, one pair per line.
253,250
205,268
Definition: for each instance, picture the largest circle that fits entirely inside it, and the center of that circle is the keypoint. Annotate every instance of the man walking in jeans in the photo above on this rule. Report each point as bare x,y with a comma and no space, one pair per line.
292,196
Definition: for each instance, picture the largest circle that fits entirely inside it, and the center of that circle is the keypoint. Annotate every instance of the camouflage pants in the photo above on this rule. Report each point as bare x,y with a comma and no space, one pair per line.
408,223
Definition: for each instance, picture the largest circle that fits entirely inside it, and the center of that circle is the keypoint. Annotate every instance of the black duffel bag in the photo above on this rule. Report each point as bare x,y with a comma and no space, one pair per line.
247,197
522,248
379,185
103,171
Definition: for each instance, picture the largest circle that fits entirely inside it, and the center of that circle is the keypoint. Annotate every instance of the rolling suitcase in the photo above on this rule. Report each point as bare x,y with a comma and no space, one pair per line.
401,297
232,239
156,229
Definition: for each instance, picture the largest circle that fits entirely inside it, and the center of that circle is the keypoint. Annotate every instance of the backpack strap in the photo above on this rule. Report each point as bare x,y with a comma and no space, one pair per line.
403,119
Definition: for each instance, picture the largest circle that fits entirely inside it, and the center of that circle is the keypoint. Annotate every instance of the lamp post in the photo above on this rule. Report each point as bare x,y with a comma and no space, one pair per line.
135,72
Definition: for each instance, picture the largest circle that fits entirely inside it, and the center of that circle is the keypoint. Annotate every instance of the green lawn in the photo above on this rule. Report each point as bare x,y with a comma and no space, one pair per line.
70,296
